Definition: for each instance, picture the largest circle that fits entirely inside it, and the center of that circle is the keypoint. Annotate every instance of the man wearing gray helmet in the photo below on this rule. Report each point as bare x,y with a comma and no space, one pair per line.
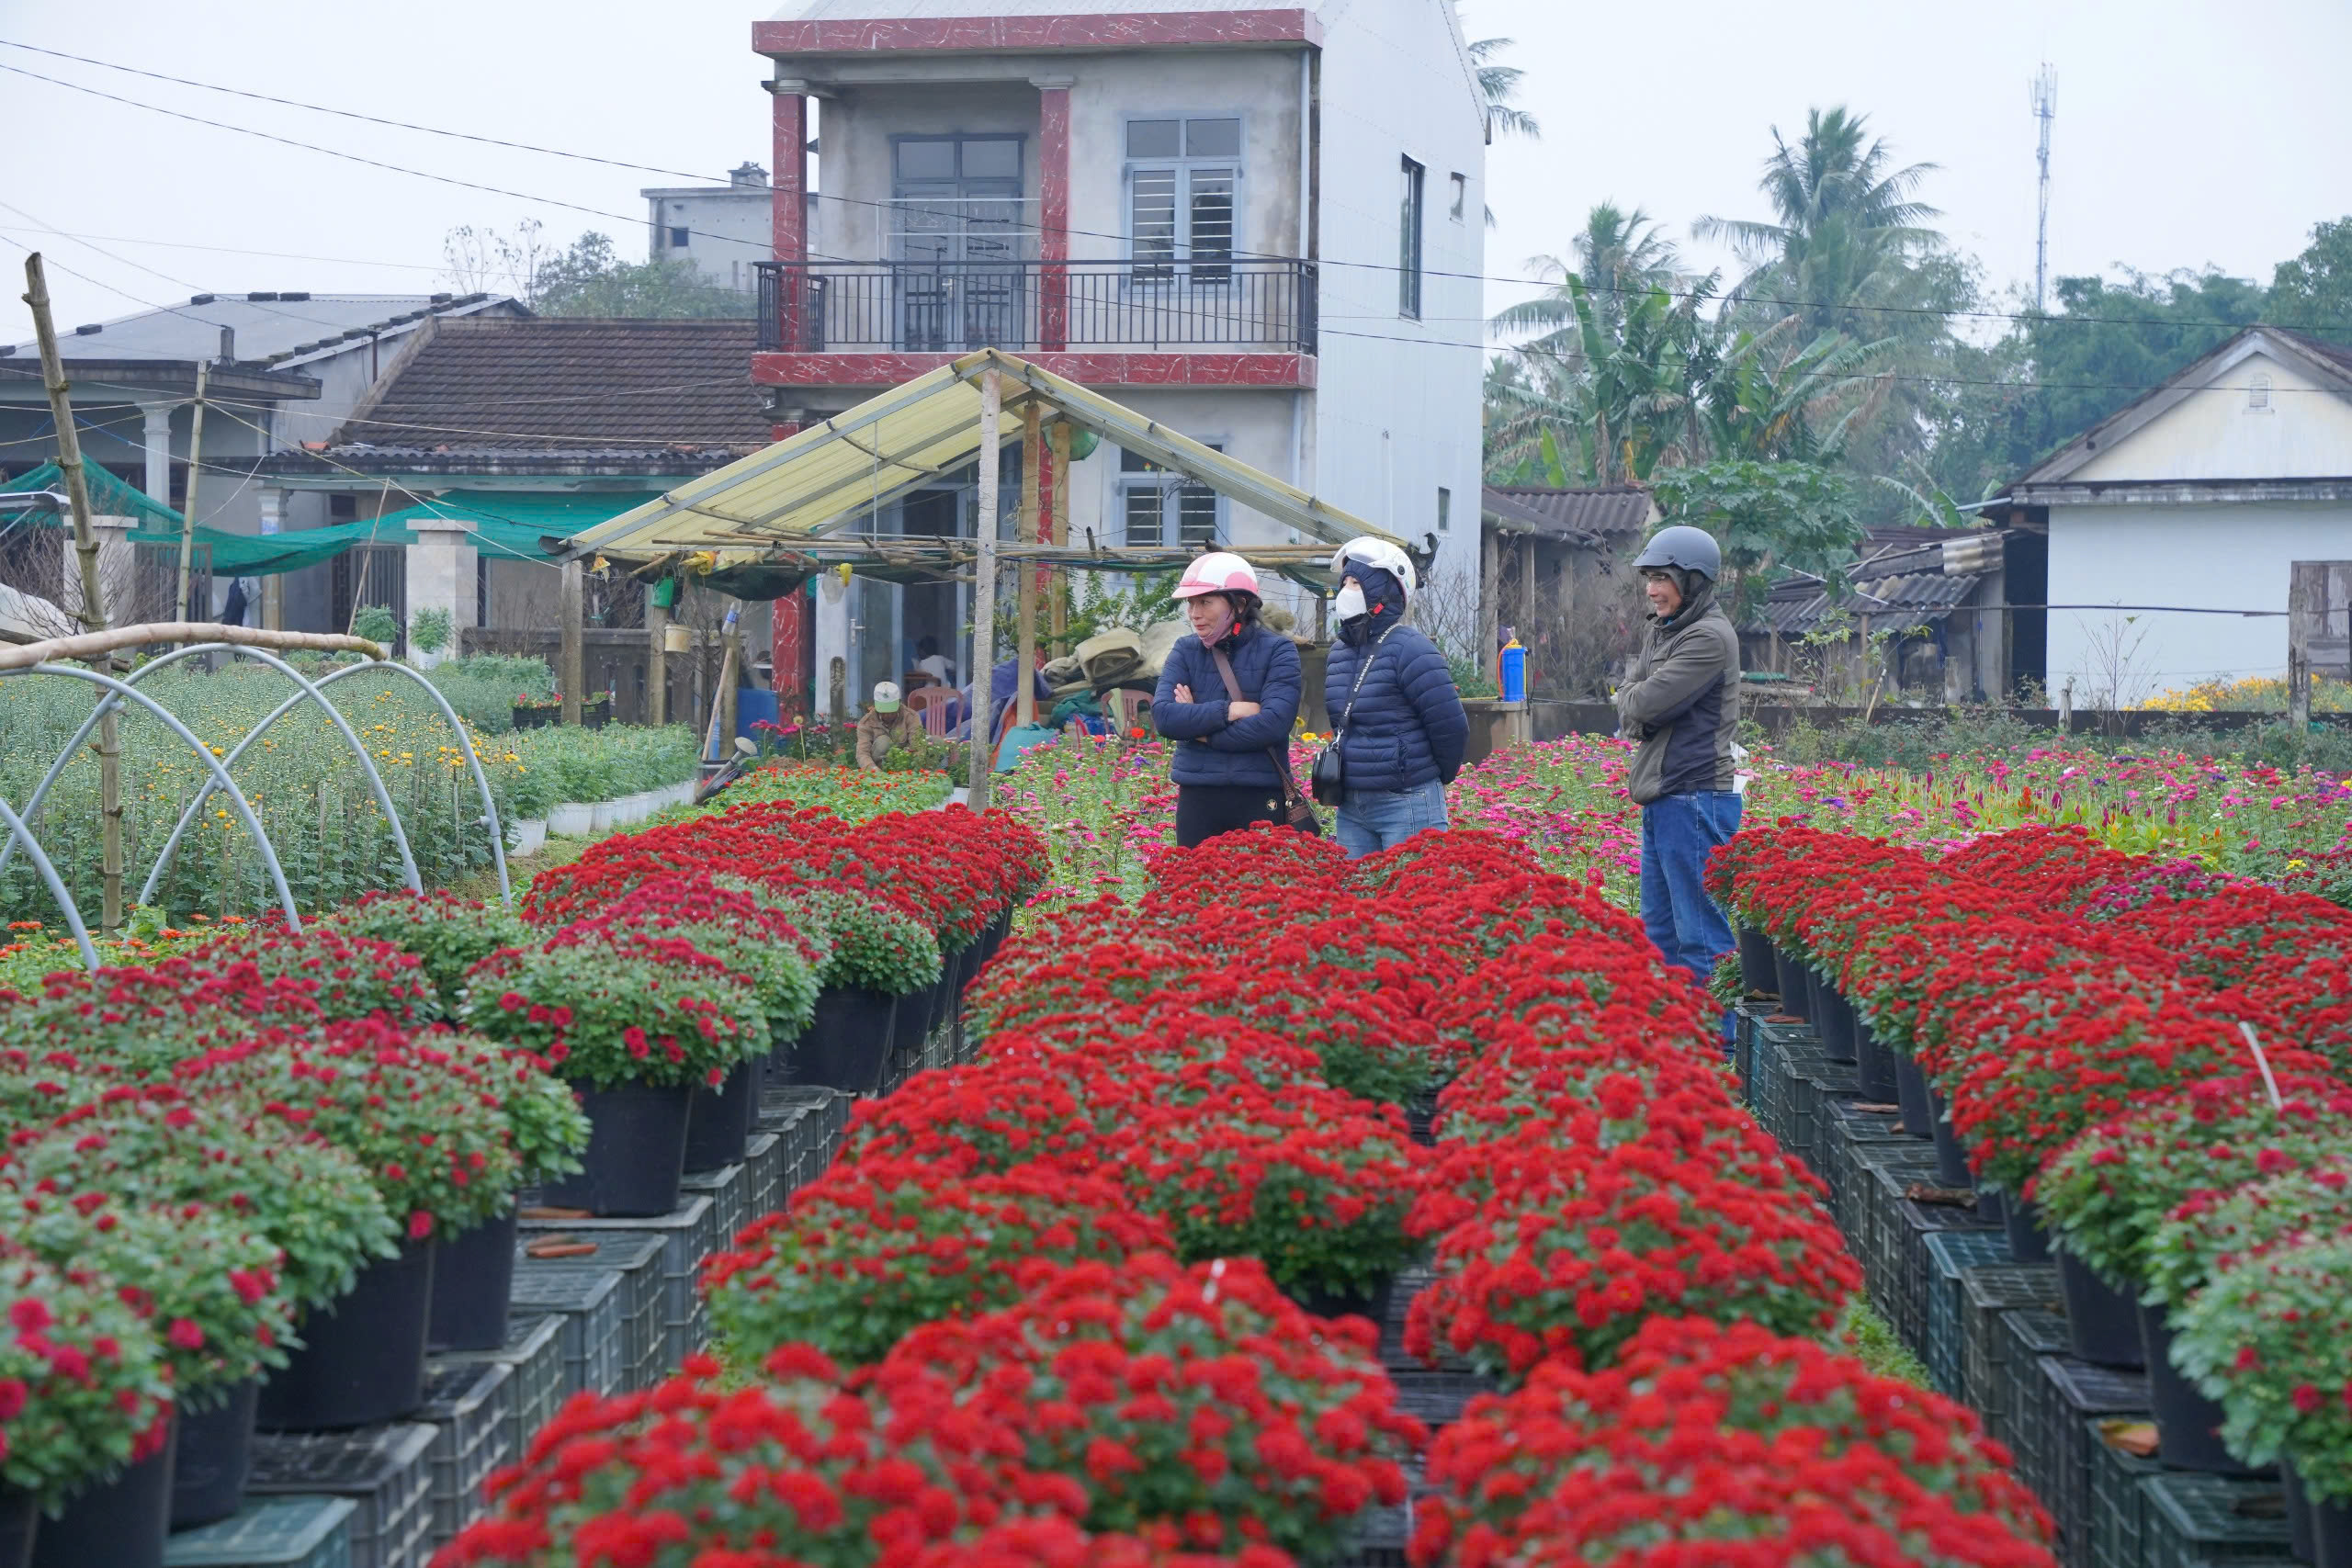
1683,705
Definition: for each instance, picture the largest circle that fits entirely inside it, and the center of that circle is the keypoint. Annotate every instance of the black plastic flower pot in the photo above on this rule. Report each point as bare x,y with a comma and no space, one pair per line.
215,1456
1992,1207
473,1281
909,1024
847,1043
2301,1541
121,1523
1951,1160
1758,969
1833,1019
1874,1066
2331,1534
362,1358
2102,1323
2021,1222
1790,972
637,1152
1911,1098
1370,1302
19,1519
720,1125
2188,1424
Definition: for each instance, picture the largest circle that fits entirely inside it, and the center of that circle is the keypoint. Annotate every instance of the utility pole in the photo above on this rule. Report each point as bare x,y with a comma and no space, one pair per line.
983,757
93,605
2045,109
194,467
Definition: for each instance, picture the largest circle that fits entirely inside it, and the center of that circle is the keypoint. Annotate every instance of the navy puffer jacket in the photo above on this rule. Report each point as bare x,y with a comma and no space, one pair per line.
1210,750
1407,727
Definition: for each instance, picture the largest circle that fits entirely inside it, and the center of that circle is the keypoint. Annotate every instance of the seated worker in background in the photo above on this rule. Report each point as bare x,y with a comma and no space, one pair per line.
928,661
888,723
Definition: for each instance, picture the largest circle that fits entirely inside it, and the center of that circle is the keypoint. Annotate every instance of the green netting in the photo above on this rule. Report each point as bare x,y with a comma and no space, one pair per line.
511,523
110,497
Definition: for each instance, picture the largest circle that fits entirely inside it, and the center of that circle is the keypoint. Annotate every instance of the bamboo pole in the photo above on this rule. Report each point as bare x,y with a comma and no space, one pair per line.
656,661
93,605
571,656
93,645
1058,534
1025,657
984,591
187,503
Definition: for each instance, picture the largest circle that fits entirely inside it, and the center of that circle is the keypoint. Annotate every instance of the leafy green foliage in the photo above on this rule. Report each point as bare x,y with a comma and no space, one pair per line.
428,629
1766,516
590,279
2312,293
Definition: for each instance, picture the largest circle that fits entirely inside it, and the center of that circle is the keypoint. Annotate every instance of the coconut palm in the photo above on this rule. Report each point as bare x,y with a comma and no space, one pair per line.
1620,256
1499,84
1849,230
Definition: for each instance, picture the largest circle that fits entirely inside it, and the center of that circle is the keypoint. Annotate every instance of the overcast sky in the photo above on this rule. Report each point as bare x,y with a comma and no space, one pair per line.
2188,131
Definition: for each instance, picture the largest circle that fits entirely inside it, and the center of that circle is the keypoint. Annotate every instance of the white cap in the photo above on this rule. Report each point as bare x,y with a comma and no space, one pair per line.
886,696
1377,553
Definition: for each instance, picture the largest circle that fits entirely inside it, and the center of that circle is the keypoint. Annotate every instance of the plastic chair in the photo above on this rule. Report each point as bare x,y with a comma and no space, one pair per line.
1132,708
932,705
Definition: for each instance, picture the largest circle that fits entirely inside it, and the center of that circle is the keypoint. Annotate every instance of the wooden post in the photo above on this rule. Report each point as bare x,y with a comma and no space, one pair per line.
1026,658
187,501
93,604
984,591
1489,597
1059,615
2306,595
656,661
571,660
1524,622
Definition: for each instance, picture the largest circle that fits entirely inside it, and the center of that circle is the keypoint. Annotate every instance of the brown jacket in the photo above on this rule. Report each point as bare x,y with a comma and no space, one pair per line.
879,732
1682,703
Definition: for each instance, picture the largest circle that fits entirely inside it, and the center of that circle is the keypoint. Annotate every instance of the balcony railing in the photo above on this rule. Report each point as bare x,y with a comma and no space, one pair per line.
1037,306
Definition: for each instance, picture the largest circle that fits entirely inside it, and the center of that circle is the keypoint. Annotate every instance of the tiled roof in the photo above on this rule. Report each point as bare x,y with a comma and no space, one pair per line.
1601,510
1899,583
595,389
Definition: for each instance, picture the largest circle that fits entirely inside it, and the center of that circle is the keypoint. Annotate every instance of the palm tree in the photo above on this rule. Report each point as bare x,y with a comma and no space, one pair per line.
1849,228
1619,255
1598,408
1499,84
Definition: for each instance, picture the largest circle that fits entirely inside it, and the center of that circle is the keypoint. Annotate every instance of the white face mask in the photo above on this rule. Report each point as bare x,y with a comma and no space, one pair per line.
1349,602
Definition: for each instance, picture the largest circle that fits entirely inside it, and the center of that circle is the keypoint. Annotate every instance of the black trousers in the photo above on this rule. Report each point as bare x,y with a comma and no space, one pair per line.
1202,811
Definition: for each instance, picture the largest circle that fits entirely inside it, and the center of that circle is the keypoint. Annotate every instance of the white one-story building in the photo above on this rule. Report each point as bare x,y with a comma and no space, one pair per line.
2177,515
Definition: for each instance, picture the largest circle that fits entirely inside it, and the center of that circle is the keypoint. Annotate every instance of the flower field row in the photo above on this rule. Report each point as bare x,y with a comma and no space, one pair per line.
211,1150
2151,1063
1105,805
1092,1298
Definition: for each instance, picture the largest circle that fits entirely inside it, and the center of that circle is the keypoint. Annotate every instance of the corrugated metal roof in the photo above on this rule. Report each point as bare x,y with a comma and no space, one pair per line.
1603,510
264,327
1893,603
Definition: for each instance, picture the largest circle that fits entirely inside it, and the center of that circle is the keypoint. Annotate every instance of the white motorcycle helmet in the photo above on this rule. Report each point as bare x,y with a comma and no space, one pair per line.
1377,553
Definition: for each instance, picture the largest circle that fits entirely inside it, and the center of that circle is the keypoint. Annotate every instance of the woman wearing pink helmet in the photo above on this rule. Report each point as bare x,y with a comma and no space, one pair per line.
1227,696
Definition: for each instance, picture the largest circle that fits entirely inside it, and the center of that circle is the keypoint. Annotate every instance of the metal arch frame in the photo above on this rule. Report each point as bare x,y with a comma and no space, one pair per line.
316,691
19,833
109,701
220,775
473,763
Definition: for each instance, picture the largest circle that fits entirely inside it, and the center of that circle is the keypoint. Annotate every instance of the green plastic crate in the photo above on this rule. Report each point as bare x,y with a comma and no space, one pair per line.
685,1236
1951,1254
2070,1393
381,1470
729,1190
469,1408
587,1305
2119,1501
2191,1519
1988,1296
269,1532
533,1355
642,1298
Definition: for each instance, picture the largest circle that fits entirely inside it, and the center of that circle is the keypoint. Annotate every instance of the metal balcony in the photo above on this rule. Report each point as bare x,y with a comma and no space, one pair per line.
1028,306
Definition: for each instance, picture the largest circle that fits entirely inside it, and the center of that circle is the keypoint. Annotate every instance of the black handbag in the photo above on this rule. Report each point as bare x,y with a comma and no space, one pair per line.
1296,812
1328,777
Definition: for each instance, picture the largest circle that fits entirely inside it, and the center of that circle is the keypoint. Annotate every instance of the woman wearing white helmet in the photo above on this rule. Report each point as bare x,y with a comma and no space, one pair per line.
1397,721
1227,697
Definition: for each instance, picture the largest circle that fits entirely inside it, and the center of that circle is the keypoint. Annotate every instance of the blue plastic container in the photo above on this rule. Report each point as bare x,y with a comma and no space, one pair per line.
1514,680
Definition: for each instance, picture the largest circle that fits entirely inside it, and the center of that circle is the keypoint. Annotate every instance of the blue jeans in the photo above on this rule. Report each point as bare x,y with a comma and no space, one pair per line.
1677,834
1376,819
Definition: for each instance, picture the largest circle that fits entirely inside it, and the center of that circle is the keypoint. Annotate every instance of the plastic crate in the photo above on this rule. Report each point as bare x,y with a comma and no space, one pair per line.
763,1188
1987,1294
591,1306
272,1532
2190,1519
2119,1503
533,1356
1950,1255
2028,1334
1381,1533
469,1410
2070,1394
381,1470
644,1296
1410,1282
1873,1195
1436,1399
685,1236
729,1190
1915,1271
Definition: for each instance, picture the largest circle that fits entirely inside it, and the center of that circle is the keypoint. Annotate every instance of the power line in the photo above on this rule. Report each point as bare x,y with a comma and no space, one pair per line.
229,250
1941,312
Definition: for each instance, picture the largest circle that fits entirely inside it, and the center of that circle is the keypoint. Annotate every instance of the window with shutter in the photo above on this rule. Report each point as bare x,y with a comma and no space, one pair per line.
1183,195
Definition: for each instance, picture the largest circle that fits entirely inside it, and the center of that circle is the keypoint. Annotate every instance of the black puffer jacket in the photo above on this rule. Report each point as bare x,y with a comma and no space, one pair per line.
1407,726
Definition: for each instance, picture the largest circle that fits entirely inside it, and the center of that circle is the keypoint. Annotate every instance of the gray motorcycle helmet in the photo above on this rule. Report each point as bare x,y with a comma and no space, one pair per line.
1684,548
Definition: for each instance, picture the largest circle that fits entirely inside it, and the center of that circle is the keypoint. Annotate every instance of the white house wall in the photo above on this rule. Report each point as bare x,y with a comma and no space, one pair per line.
2220,433
2224,556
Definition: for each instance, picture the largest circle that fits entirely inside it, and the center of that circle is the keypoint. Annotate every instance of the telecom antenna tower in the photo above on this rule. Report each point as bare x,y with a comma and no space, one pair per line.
2045,109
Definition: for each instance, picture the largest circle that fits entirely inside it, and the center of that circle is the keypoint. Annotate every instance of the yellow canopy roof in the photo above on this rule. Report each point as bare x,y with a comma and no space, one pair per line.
826,476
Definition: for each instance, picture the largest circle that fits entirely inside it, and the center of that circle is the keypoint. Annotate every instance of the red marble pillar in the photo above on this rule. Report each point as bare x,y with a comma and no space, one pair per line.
1052,213
789,210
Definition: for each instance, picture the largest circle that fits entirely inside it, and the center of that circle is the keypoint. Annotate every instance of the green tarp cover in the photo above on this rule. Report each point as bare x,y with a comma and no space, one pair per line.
506,523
